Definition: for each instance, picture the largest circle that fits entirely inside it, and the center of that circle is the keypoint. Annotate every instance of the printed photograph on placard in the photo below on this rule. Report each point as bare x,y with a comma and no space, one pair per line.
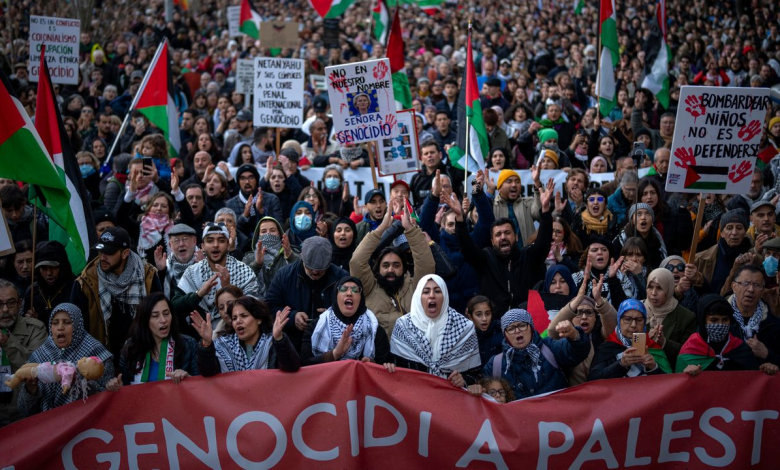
400,153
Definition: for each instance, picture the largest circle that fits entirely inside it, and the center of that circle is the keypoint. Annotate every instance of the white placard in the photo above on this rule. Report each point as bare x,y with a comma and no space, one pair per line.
61,37
278,92
234,18
399,153
245,76
716,139
362,102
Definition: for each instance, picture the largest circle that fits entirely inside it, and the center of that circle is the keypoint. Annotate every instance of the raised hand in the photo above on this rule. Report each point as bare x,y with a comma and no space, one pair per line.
286,246
614,266
207,286
248,206
596,292
560,203
547,195
465,205
342,347
223,166
203,327
259,252
259,203
566,330
345,192
282,317
223,274
160,259
436,186
359,208
174,182
536,172
406,217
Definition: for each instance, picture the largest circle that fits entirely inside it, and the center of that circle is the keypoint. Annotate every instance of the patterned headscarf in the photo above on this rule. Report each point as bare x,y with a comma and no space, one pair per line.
625,306
531,351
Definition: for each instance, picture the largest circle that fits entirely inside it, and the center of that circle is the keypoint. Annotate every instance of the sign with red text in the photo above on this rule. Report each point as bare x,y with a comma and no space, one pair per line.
353,415
61,37
361,101
716,138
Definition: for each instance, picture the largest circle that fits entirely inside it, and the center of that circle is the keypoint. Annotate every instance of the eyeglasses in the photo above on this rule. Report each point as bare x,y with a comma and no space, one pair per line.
311,196
247,177
176,240
585,313
354,289
678,267
558,232
497,393
596,199
629,320
512,329
748,284
11,304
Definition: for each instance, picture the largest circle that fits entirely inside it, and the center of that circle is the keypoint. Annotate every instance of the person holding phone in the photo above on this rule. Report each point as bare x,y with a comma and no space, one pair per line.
617,357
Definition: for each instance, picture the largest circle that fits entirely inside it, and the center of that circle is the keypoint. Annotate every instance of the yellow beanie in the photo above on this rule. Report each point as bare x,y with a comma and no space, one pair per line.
552,155
773,121
504,175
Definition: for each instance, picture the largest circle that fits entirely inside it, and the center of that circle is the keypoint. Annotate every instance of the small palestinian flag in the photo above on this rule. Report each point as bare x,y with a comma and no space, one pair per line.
706,177
155,99
249,20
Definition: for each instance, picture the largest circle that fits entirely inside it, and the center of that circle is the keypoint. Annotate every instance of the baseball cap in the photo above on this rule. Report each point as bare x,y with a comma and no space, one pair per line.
213,228
401,183
320,104
137,75
371,194
244,115
761,203
113,240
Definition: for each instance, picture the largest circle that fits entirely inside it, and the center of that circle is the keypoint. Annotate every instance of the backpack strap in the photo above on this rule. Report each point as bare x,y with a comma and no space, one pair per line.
548,354
497,365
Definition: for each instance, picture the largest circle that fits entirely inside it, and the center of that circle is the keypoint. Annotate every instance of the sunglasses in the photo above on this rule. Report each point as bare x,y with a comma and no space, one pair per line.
596,199
679,267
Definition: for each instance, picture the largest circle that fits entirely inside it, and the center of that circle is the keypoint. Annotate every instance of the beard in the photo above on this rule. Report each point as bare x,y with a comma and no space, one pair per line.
391,287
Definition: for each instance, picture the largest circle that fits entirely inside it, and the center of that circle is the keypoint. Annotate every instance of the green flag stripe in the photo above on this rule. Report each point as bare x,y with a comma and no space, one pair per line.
660,358
708,185
685,360
401,91
609,39
250,29
25,160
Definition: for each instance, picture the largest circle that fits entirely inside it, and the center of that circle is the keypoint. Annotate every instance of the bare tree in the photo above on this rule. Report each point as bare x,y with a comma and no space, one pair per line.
81,9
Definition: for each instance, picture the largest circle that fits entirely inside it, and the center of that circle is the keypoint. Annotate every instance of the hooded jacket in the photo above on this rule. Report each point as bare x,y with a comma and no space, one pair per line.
272,207
46,297
266,274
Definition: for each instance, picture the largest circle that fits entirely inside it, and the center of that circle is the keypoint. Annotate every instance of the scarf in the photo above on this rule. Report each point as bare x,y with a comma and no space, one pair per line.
128,288
665,279
329,329
561,248
444,344
243,199
232,355
81,345
153,228
143,194
163,373
711,211
196,275
530,353
273,246
598,225
174,272
751,328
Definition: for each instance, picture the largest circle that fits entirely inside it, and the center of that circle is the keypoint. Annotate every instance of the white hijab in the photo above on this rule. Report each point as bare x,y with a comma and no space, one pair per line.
432,327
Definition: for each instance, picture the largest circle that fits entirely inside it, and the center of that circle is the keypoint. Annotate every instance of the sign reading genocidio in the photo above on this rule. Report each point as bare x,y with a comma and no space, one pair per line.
716,139
362,102
278,92
61,37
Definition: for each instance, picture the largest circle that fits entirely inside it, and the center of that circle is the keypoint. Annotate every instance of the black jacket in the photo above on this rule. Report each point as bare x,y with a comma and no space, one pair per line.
381,347
422,183
506,281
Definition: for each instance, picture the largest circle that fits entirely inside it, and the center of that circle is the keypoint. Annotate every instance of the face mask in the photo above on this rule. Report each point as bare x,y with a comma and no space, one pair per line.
87,170
271,242
303,222
332,183
717,333
770,266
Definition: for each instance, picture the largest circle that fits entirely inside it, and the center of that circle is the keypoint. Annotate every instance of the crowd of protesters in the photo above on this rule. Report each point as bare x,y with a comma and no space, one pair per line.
226,257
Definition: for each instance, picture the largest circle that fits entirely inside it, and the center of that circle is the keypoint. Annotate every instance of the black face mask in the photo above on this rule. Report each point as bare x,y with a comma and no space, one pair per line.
390,287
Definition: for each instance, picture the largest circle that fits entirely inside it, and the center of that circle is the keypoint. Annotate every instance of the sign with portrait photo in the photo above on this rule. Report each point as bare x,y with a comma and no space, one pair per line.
400,152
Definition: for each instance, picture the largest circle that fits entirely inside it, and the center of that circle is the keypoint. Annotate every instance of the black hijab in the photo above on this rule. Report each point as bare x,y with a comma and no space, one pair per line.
342,256
361,306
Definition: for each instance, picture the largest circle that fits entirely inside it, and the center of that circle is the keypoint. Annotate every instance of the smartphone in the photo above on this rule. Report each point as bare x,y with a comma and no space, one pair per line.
147,161
639,341
638,153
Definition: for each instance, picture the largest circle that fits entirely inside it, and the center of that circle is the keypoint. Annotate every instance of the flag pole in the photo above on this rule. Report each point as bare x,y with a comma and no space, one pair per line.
468,132
135,101
32,272
598,63
697,228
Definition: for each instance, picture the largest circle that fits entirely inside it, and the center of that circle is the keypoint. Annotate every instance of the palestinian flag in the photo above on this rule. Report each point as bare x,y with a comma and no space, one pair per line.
578,6
410,209
331,8
381,21
538,312
249,20
395,53
653,348
657,57
23,156
430,7
610,56
472,138
705,177
697,352
76,233
155,99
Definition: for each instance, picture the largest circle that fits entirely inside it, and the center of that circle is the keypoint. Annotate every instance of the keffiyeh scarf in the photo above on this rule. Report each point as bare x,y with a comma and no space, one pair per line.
174,272
153,228
128,288
196,275
329,329
751,328
232,355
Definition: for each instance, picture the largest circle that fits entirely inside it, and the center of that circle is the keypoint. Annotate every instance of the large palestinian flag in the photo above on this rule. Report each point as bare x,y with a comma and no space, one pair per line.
155,99
610,55
249,20
331,8
77,233
395,52
657,57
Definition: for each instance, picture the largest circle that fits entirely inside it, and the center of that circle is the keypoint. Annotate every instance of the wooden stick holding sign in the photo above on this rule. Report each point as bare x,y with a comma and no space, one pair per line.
697,228
372,153
279,140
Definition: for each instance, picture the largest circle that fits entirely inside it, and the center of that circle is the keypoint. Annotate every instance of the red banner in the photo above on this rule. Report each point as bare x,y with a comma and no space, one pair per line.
355,415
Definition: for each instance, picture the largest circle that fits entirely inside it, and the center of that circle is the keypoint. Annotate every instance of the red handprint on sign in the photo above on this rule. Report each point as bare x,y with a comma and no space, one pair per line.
750,130
390,119
695,107
338,82
380,70
737,174
685,157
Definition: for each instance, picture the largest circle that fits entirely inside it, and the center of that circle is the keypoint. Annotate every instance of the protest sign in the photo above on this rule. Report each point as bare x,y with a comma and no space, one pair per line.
282,34
357,415
716,139
361,100
330,34
245,76
6,240
61,37
278,92
359,180
400,152
318,82
234,18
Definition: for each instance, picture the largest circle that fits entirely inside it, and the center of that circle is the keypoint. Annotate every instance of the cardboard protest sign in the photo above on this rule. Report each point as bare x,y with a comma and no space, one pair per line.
283,34
716,139
245,76
61,37
234,18
278,92
361,100
400,152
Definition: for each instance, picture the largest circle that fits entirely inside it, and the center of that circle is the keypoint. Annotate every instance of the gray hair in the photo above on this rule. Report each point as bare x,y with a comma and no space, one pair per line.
629,176
6,284
336,167
228,211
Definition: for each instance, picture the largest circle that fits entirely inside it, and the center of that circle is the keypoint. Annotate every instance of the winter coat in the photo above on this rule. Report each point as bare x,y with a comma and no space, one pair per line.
619,207
490,341
272,207
526,211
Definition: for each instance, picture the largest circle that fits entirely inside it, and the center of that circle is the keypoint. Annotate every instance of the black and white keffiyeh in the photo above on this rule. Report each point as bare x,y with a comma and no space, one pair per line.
232,355
128,288
444,344
751,328
196,275
625,283
174,271
329,329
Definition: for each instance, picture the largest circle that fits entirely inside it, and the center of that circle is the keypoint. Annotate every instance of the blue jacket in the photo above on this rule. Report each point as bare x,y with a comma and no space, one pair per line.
549,378
490,341
465,284
617,205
